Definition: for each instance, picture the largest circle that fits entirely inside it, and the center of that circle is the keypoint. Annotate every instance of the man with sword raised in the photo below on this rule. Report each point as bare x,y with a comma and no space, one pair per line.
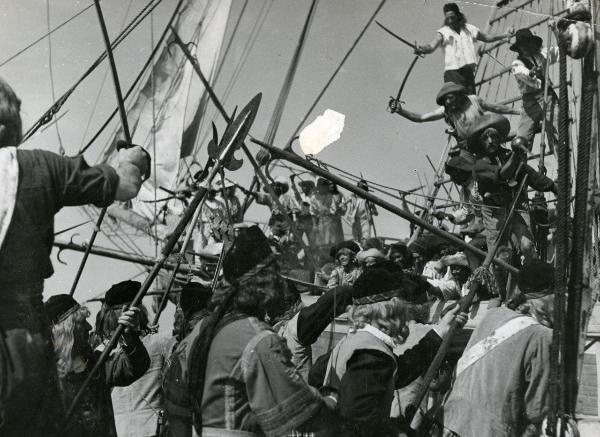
36,184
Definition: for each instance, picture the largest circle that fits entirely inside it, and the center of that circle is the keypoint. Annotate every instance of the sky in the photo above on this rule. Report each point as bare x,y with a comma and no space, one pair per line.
382,146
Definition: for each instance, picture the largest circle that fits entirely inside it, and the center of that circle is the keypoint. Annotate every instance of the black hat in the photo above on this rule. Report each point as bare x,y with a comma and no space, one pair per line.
386,281
347,244
486,121
523,37
536,276
249,253
363,185
194,297
121,293
447,88
58,307
451,7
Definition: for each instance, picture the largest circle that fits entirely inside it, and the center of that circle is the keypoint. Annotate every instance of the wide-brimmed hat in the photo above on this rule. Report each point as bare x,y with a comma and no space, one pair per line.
447,88
458,259
536,277
486,121
524,36
370,253
347,244
306,183
385,281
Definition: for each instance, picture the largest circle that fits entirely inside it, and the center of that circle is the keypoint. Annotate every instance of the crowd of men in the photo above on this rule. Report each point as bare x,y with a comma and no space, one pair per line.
239,360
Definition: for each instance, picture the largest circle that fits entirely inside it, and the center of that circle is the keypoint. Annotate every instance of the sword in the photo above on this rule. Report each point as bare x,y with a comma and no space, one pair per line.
398,37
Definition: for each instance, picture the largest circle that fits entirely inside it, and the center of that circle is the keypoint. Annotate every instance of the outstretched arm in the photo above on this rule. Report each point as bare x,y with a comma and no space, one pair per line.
486,37
437,114
429,48
498,109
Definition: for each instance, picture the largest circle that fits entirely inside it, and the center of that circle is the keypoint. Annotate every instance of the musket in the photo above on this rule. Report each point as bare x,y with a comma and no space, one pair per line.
301,162
221,155
465,304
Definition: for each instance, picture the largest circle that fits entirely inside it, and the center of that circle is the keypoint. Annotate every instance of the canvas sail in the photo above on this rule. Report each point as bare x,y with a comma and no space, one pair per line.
169,124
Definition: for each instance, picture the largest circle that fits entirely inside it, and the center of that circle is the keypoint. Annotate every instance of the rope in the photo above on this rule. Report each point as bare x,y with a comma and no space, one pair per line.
61,147
562,244
44,36
337,70
137,79
251,40
580,234
57,105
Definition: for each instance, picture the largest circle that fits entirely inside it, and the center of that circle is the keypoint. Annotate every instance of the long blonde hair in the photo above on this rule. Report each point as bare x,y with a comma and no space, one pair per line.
389,316
64,337
10,119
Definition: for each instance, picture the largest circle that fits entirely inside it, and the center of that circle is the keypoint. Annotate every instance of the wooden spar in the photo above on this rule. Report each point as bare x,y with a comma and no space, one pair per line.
121,256
465,304
301,162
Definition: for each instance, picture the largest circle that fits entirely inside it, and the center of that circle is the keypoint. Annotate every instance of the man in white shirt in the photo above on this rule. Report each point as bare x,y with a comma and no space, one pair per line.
457,37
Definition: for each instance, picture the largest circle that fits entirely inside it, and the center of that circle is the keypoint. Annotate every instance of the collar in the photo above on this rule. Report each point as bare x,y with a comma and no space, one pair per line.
379,335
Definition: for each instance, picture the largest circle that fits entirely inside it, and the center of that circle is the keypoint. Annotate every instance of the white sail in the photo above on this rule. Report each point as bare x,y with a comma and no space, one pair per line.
168,123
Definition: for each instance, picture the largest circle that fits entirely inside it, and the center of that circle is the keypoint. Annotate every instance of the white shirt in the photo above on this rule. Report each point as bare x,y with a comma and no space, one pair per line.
459,48
526,83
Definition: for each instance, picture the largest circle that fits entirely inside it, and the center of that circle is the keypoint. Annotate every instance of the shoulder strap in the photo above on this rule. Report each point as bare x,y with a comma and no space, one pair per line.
9,175
492,341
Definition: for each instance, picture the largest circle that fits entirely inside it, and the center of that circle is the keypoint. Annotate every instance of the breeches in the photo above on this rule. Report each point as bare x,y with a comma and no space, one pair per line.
532,115
518,231
463,76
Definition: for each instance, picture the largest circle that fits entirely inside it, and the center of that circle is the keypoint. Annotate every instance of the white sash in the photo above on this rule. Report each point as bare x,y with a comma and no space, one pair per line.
495,339
9,181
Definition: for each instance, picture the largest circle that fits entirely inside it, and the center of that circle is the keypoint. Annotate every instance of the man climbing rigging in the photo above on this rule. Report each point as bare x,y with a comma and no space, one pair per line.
460,110
457,38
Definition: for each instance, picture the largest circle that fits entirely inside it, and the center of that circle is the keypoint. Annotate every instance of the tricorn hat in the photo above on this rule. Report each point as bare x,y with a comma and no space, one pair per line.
386,281
525,36
447,88
59,307
121,293
536,276
249,253
307,183
489,120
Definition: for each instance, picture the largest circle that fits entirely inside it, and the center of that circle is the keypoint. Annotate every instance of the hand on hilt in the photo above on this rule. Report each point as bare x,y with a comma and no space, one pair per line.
420,50
394,105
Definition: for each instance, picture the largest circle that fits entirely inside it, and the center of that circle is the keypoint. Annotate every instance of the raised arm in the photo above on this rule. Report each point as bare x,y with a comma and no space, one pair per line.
434,115
498,109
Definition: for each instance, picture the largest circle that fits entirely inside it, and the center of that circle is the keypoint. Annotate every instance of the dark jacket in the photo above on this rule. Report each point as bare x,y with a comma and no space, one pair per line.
93,415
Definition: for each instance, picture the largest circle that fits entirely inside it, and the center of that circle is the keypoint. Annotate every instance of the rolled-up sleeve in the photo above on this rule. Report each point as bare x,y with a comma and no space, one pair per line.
276,392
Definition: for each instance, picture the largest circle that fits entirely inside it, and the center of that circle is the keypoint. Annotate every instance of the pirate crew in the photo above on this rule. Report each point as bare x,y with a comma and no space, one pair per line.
242,357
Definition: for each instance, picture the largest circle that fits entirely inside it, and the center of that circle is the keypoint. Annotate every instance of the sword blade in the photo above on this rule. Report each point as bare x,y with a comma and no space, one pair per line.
395,35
